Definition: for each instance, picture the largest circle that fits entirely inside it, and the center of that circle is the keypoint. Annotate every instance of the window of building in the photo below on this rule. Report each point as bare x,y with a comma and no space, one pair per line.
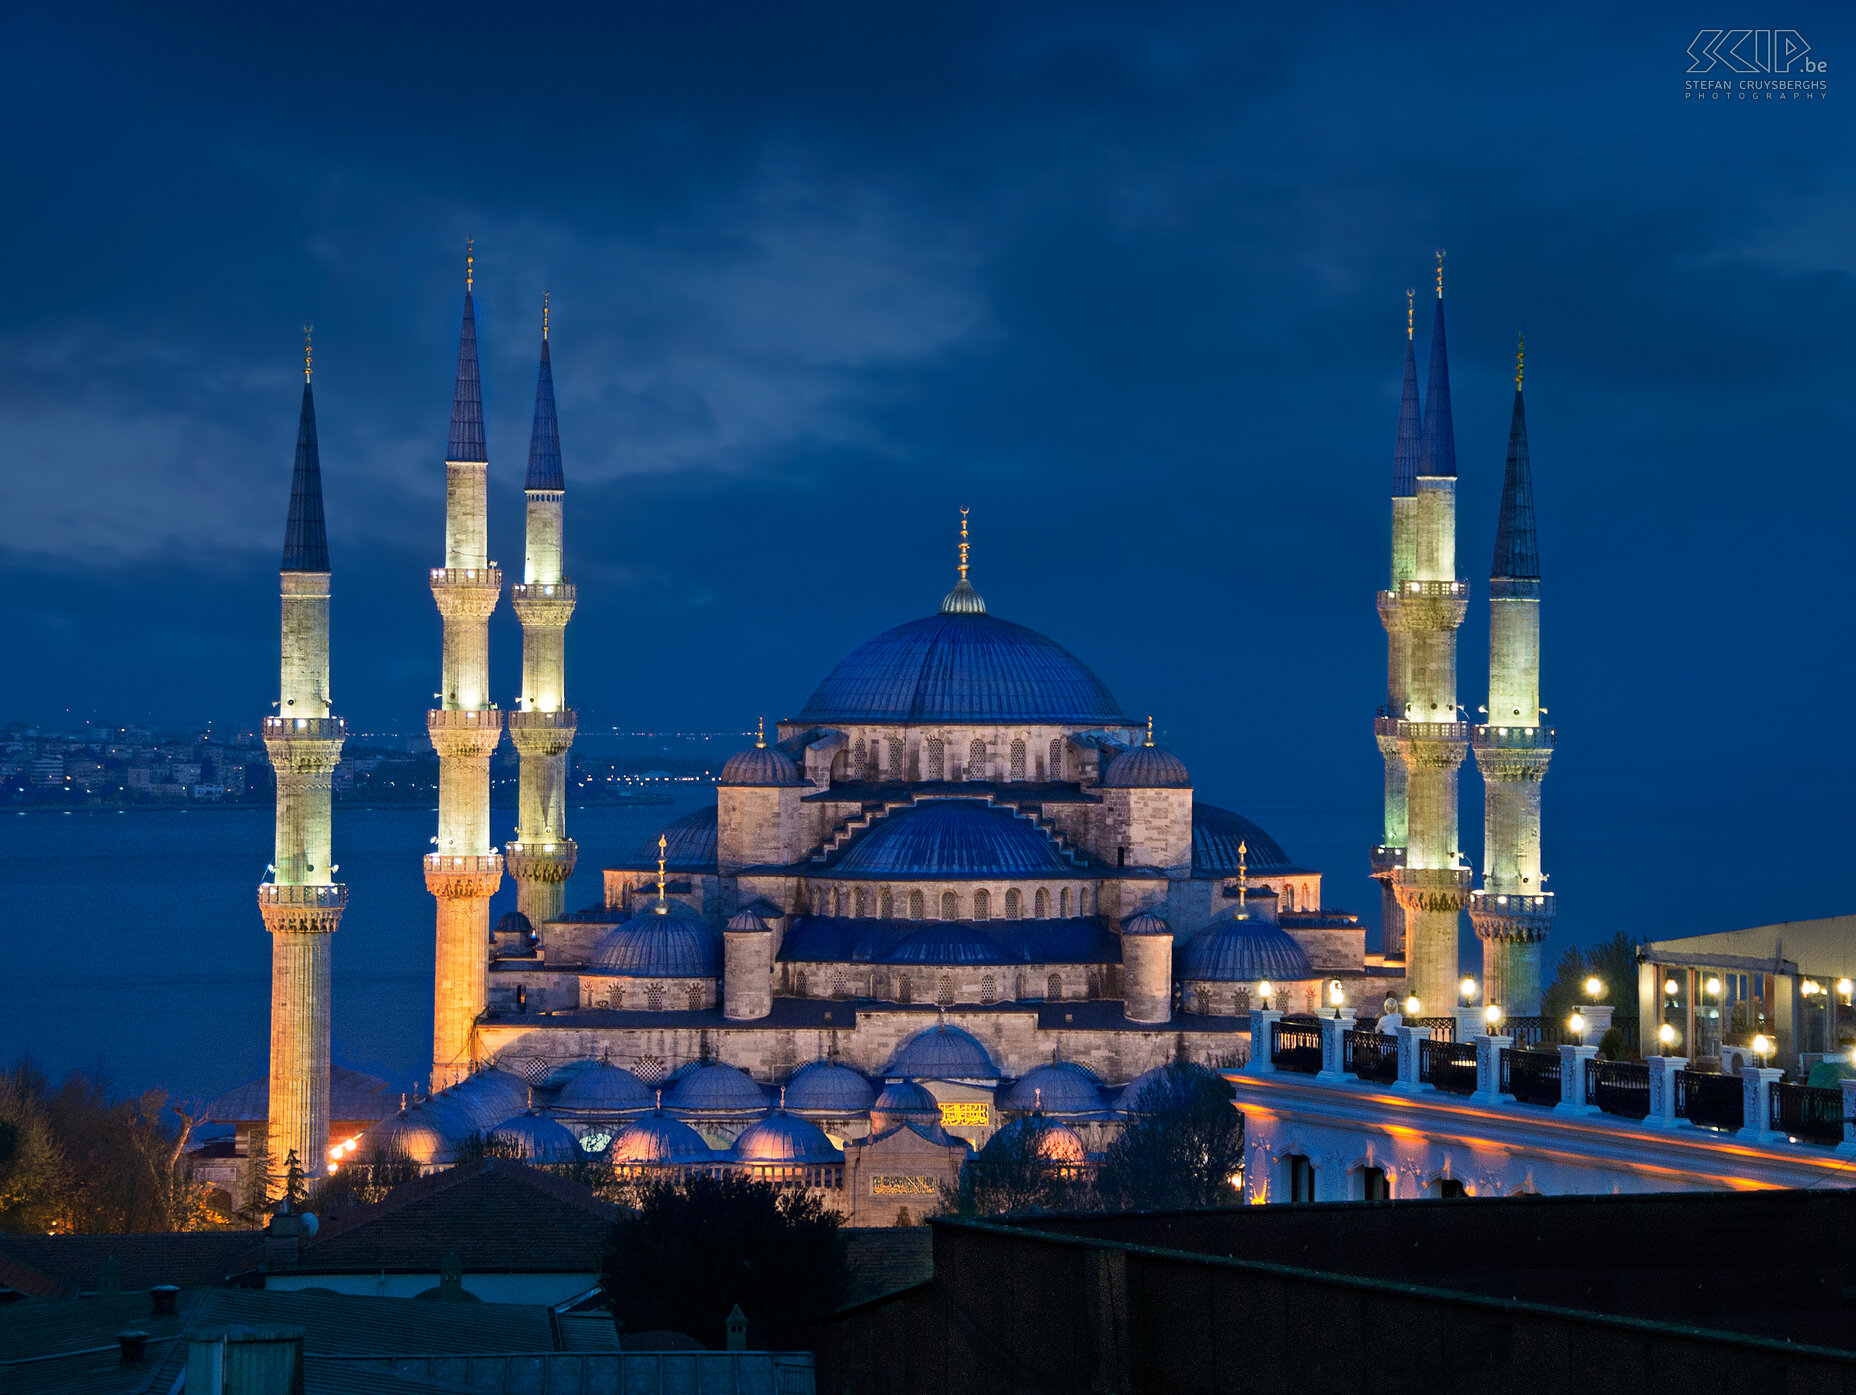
837,900
840,985
1301,1177
799,983
982,904
1042,904
1240,1001
1056,758
1121,857
654,997
1053,988
1065,901
860,759
1288,896
917,907
886,904
950,906
1373,1184
863,901
1014,904
895,771
937,758
695,997
945,997
905,990
1447,1187
987,990
976,760
1018,760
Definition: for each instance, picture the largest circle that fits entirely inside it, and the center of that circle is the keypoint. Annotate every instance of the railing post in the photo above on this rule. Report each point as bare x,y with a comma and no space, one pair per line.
1597,1023
1332,1061
1663,1072
1574,1061
1489,1067
1408,1039
1848,1146
1469,1021
1756,1119
1260,1020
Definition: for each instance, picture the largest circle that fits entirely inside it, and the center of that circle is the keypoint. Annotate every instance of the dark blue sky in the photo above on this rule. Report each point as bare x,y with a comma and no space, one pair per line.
1128,280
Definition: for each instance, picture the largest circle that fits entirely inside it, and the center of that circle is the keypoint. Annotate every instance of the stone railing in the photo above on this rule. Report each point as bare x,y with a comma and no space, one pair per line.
562,717
467,576
305,729
483,864
1488,737
324,897
1406,730
484,718
551,591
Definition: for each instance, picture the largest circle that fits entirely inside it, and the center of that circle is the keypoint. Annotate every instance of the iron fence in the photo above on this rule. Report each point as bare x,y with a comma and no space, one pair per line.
1713,1101
1370,1056
1532,1077
1448,1065
1618,1087
1814,1115
1295,1048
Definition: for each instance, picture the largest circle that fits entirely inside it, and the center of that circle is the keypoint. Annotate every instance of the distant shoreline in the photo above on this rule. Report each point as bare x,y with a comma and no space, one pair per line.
647,802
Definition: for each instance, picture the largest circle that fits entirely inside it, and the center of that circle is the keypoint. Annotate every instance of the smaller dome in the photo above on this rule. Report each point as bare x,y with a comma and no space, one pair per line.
1146,767
746,920
963,600
1244,951
604,1088
535,1138
515,923
462,1112
485,1098
825,1087
658,1138
1054,1142
1059,1088
677,943
1131,1092
904,1102
760,764
942,1053
784,1138
1146,923
715,1089
414,1134
689,842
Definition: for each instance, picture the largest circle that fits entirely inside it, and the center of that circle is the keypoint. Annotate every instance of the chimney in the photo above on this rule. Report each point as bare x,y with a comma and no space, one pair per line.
132,1348
737,1329
165,1299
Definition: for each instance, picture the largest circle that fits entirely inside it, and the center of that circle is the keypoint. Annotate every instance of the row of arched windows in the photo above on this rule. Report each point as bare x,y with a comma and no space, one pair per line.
939,987
882,902
886,757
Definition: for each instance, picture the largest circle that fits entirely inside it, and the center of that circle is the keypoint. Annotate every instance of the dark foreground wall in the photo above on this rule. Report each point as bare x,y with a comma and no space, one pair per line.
1013,1309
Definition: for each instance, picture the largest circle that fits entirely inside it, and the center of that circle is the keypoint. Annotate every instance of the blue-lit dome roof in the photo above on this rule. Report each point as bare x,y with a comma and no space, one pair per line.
953,838
1146,923
825,1087
942,1053
604,1087
784,1138
716,1088
689,842
1243,951
658,1138
535,1138
948,942
417,1134
676,944
1061,1087
1217,832
1054,1142
964,666
1146,767
1131,1092
760,765
904,1102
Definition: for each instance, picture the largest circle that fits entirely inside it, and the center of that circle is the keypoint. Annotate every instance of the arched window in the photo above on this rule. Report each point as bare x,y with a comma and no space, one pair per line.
1242,1003
695,997
840,985
946,995
654,997
982,904
617,1000
1018,760
950,906
905,991
986,988
917,908
886,904
837,900
863,901
976,760
937,758
1053,988
1288,896
860,759
1014,904
1042,903
799,983
896,772
1056,758
1066,903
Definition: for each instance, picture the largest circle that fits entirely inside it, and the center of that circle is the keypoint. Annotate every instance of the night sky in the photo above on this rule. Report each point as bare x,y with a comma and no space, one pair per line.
1127,280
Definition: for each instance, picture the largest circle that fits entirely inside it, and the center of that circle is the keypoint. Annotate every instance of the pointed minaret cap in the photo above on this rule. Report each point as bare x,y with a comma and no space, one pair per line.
1405,452
1517,552
466,441
963,599
544,440
306,536
1437,444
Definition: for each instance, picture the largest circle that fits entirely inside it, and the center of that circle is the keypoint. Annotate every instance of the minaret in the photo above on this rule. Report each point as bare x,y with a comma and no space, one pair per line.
463,872
1432,886
542,726
1389,856
301,904
1513,911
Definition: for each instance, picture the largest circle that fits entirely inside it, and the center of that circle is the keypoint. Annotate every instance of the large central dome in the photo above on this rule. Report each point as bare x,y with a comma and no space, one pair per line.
963,667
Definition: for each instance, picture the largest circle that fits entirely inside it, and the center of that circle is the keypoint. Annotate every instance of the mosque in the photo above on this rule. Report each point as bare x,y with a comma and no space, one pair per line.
960,889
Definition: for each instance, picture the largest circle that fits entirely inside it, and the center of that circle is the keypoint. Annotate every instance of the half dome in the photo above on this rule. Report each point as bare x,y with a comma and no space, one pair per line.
953,838
1216,834
760,765
948,942
689,843
963,665
942,1052
1244,951
1058,1088
904,1102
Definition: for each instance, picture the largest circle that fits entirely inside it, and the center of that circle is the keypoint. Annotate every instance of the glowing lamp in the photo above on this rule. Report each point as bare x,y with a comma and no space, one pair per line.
1762,1046
1577,1023
1335,995
1493,1016
1468,989
1714,987
1669,987
1412,1005
1264,990
1593,987
1666,1034
1843,987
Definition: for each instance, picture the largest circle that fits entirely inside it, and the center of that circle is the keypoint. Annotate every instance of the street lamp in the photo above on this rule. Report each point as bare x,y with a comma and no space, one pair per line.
1264,990
1594,987
1669,988
1577,1023
1493,1016
1412,1005
1468,989
1762,1046
1335,996
1666,1036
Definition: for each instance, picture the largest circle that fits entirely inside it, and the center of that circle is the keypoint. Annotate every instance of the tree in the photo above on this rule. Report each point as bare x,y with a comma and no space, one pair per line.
694,1249
1612,962
1183,1146
1016,1171
361,1181
35,1178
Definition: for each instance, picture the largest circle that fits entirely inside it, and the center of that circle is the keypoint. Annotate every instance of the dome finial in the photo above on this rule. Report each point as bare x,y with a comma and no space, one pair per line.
1411,296
470,264
1520,358
963,599
662,908
782,1097
760,733
308,330
1440,273
1150,730
544,314
963,543
1243,879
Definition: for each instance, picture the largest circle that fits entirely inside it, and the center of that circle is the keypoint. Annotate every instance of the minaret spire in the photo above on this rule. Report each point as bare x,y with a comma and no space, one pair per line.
963,599
543,725
1407,449
302,905
467,442
1517,554
1437,446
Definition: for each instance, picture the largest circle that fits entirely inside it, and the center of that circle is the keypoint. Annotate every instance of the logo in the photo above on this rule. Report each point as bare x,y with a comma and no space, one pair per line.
965,1115
1752,51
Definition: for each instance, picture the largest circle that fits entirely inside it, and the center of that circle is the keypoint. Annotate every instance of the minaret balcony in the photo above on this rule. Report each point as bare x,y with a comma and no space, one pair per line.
468,576
1424,606
543,733
1386,861
1494,738
332,896
1508,916
1402,730
463,875
545,591
305,729
1447,590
